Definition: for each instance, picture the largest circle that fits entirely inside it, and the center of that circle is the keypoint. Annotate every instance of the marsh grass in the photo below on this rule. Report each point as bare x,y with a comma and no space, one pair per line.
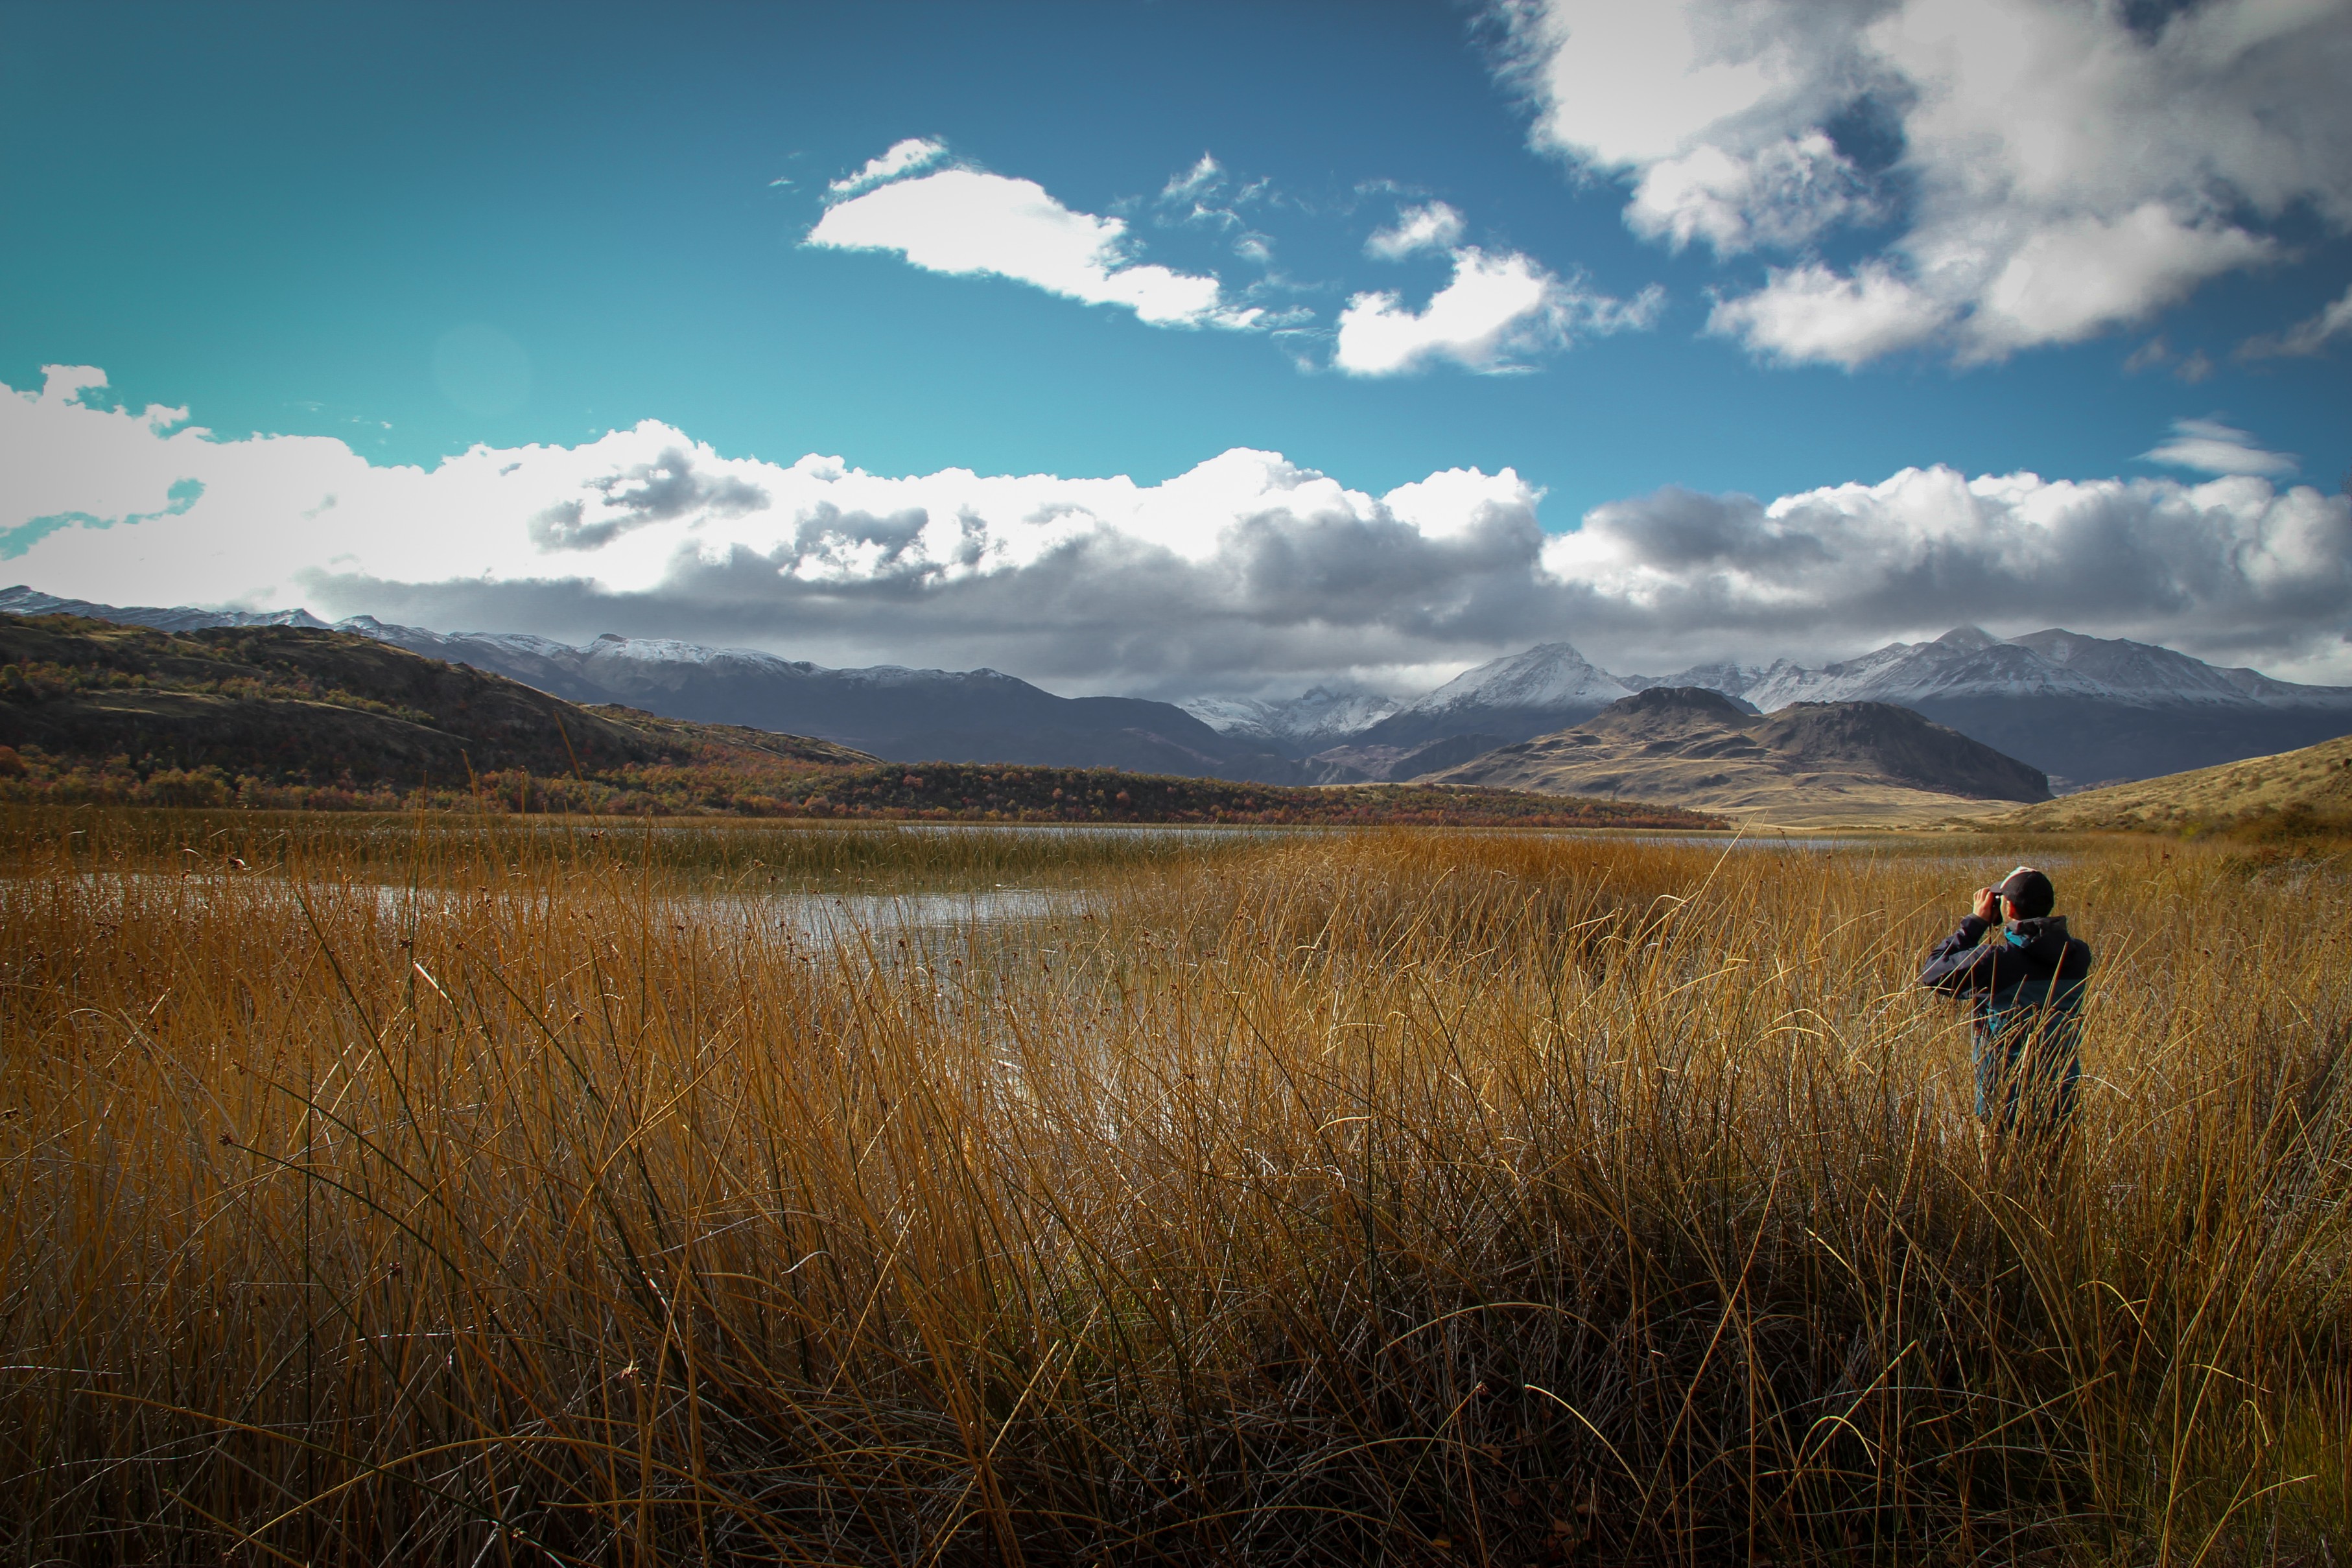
677,856
1401,1196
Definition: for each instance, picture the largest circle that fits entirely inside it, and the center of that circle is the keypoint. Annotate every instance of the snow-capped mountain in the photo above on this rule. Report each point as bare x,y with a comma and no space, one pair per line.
2160,675
1726,679
1549,688
1965,662
1315,718
23,600
1548,675
2084,709
1974,664
1971,662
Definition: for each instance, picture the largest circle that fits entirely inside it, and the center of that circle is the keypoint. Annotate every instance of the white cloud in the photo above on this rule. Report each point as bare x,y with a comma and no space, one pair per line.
2305,336
2059,168
963,221
1245,569
2232,569
1620,87
1781,195
2076,277
1202,179
1813,314
902,158
1433,225
2212,447
1495,311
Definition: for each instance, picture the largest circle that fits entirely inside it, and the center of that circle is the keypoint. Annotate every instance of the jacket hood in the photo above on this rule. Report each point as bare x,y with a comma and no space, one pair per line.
2044,936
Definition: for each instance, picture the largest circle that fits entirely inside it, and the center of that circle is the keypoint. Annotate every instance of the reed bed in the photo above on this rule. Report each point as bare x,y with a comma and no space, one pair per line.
1401,1197
677,854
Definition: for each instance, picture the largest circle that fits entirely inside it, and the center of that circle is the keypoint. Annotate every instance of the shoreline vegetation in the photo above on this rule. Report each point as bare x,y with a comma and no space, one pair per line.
889,792
481,1188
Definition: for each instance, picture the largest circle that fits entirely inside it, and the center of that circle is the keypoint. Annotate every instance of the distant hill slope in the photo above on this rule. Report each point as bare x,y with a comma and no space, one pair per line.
284,705
2312,785
911,716
1814,762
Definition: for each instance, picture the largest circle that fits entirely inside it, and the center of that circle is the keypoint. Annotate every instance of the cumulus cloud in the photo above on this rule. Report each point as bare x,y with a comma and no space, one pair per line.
2212,447
2232,569
2305,336
1783,194
1245,571
902,158
1494,313
1814,314
966,221
2051,168
1433,226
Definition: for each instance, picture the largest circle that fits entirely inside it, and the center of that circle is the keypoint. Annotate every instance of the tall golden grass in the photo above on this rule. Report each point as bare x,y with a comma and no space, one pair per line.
500,1196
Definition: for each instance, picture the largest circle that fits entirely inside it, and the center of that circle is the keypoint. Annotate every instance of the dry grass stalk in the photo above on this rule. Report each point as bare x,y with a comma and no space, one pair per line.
1401,1196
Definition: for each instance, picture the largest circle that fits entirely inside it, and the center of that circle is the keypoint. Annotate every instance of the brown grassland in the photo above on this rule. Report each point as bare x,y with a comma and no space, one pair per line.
383,1190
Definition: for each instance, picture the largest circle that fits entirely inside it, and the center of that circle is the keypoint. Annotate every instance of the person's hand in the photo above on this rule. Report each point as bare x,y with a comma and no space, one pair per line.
1989,905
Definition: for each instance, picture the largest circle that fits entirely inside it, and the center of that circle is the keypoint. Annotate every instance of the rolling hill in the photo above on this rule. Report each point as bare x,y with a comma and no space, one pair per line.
268,709
2307,788
1809,764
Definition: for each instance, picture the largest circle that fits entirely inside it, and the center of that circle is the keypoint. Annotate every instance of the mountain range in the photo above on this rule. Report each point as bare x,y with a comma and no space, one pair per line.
2084,710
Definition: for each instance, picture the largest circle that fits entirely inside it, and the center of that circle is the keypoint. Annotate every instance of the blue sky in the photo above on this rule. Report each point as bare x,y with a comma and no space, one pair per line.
422,230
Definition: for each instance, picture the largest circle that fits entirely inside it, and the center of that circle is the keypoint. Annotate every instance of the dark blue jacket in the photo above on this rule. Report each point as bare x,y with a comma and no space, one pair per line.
2032,972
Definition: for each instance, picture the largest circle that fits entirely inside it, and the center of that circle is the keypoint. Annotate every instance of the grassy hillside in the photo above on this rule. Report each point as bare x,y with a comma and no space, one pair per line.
91,711
2294,792
1812,764
203,717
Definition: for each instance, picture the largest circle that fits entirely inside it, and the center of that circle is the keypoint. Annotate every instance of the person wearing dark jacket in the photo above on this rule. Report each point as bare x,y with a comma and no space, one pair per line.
2025,991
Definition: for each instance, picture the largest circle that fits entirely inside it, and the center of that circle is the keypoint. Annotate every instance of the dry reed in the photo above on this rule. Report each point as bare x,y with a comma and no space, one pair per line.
502,1196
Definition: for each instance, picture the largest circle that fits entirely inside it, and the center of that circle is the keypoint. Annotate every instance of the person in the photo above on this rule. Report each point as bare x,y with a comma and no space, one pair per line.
2026,995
